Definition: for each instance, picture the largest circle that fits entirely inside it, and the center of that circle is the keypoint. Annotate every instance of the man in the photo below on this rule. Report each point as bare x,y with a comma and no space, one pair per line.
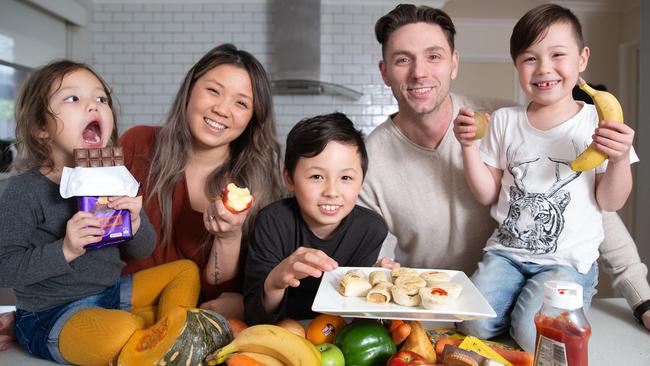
416,179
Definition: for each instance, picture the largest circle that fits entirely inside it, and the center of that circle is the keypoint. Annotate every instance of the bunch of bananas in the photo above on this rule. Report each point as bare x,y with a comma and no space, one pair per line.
270,345
609,109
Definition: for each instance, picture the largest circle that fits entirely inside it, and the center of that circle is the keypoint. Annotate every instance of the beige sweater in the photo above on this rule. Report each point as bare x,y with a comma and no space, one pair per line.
435,221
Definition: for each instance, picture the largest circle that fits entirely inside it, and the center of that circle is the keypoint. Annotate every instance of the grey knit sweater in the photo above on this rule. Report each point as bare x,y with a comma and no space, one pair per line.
33,219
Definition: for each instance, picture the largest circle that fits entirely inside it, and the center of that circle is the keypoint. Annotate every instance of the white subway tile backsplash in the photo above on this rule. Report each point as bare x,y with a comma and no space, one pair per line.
143,49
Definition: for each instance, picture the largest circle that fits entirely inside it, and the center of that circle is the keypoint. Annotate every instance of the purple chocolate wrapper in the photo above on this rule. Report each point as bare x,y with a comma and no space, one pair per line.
115,223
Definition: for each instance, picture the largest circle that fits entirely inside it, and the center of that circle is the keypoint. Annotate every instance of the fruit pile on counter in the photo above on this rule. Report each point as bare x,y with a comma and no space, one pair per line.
202,337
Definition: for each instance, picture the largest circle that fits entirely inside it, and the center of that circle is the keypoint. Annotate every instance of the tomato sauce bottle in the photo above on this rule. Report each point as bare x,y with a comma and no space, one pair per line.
562,328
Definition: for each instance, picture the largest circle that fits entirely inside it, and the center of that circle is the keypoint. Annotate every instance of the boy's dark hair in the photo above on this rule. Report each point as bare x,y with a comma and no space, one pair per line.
533,26
309,137
404,14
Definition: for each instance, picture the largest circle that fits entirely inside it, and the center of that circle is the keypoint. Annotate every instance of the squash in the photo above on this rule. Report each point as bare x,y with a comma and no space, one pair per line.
184,337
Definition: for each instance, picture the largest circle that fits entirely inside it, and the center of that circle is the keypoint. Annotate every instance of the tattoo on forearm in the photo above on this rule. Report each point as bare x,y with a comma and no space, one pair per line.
216,273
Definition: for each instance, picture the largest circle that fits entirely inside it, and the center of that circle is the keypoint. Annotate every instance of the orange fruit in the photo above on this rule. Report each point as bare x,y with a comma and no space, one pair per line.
236,326
293,326
323,328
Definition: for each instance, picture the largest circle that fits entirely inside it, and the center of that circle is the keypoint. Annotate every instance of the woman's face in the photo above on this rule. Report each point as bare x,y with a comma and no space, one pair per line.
220,107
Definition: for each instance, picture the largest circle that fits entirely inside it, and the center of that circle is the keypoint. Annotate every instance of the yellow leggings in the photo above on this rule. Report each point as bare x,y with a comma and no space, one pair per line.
95,336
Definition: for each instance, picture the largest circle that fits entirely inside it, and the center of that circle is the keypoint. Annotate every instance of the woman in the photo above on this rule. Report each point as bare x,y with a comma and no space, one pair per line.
220,129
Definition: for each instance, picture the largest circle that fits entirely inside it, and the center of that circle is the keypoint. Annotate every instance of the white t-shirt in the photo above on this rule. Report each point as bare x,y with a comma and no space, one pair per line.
547,213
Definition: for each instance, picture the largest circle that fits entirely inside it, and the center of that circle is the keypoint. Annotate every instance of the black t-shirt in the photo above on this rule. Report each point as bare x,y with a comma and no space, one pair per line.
279,231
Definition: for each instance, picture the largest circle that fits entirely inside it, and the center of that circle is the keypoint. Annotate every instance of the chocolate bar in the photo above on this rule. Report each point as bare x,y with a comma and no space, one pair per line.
98,157
115,223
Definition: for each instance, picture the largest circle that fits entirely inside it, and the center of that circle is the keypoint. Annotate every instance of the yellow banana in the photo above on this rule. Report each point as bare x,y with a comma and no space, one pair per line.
263,359
273,341
608,108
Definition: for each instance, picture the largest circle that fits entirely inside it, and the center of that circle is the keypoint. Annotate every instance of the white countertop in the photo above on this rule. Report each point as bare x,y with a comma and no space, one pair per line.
616,339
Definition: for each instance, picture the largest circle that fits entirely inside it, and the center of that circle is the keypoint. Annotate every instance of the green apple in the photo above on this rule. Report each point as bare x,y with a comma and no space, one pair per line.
331,355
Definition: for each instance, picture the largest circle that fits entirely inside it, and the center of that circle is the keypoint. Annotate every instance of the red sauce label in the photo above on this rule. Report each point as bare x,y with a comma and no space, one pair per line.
560,342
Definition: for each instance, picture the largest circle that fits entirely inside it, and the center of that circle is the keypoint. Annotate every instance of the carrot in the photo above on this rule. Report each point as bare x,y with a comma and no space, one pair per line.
517,358
400,333
394,324
440,344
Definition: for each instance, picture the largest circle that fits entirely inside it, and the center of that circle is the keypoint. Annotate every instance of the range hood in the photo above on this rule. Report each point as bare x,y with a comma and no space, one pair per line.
295,38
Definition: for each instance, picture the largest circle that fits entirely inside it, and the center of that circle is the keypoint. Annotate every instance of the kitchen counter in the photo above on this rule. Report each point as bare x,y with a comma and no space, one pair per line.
616,339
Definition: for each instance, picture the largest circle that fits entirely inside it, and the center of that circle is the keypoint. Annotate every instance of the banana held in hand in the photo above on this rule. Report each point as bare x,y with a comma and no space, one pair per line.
608,109
270,340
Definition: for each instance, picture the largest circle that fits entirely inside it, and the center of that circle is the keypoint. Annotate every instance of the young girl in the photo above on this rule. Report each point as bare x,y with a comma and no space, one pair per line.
72,305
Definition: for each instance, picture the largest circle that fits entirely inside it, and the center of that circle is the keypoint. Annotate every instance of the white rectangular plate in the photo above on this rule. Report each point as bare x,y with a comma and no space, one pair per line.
469,305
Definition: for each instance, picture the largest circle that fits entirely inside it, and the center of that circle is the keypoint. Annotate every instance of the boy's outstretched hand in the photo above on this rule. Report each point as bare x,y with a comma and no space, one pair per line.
300,264
465,127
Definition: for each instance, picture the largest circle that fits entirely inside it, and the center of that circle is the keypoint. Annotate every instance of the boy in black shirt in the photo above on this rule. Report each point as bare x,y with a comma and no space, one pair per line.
297,239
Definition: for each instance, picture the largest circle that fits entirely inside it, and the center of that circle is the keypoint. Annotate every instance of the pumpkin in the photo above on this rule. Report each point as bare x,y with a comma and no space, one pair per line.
184,337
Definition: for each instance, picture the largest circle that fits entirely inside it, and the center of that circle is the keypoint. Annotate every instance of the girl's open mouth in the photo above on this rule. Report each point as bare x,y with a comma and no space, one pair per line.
92,134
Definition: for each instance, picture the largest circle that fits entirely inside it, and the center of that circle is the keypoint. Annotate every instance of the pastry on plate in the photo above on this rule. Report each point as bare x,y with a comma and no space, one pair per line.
410,280
354,286
378,277
435,276
406,295
440,294
402,271
380,293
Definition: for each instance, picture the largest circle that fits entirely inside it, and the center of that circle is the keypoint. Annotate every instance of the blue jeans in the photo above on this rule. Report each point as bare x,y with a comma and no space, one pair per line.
38,332
516,292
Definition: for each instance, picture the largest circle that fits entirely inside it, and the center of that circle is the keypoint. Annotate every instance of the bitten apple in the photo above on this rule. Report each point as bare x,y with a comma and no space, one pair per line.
331,355
404,358
236,199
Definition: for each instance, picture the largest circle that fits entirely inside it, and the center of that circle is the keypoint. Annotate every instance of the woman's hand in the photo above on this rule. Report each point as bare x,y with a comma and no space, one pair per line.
219,221
6,330
228,304
133,204
302,263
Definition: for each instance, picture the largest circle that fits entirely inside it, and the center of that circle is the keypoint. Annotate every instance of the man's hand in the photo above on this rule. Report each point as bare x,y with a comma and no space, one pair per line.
7,330
386,262
646,319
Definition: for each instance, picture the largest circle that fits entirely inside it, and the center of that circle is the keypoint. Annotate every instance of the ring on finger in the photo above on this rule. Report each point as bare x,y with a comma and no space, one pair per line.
211,217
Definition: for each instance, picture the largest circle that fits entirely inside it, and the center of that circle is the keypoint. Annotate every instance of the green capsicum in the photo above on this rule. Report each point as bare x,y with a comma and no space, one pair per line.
365,343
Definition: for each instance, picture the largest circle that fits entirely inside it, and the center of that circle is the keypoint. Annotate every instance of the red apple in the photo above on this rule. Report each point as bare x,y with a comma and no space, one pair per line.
403,358
236,199
331,355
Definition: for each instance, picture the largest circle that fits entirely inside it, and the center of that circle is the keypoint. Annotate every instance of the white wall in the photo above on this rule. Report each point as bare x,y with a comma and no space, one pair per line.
30,36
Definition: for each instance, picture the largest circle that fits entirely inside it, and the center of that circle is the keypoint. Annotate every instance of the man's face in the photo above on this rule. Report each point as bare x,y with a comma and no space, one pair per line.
418,66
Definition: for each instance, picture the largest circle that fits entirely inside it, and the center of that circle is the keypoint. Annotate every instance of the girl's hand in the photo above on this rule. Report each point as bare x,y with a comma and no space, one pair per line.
133,204
219,221
646,319
465,127
82,229
386,262
614,139
300,264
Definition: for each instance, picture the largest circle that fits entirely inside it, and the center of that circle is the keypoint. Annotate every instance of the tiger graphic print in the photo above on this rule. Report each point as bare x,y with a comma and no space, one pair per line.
535,220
